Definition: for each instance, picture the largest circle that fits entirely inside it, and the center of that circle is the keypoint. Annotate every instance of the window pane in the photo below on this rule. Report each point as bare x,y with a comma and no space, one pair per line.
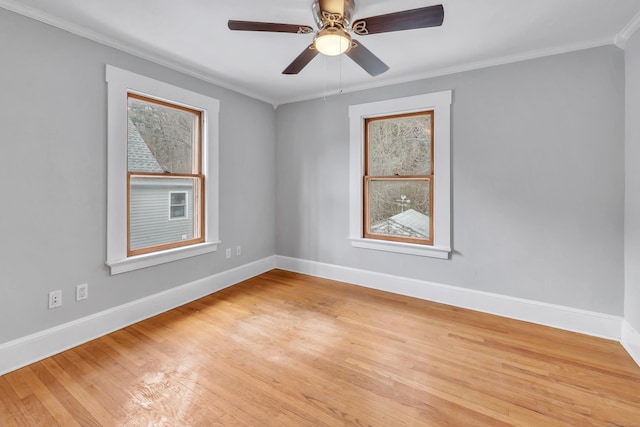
178,198
399,145
162,138
151,215
399,208
178,212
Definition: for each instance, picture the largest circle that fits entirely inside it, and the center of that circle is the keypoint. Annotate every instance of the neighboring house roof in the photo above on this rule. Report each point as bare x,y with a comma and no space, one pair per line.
409,223
140,158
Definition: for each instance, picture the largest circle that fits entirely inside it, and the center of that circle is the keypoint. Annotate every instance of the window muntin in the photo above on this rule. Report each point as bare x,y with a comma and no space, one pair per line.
398,178
164,154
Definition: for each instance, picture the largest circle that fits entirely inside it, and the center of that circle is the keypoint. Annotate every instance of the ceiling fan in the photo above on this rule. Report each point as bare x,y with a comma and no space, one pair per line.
333,37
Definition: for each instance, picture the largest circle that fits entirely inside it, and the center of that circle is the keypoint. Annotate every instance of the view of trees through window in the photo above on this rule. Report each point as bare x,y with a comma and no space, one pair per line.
388,198
398,176
167,131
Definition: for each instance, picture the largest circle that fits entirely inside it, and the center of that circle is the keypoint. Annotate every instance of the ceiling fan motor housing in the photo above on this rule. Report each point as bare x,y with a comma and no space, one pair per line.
344,8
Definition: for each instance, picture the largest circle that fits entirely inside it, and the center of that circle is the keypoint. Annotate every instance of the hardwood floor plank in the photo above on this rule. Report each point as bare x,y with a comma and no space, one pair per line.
284,349
13,409
79,409
47,398
82,399
38,412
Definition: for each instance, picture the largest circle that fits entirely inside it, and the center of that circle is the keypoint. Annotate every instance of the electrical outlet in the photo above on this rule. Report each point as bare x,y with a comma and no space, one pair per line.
228,253
82,292
55,299
238,250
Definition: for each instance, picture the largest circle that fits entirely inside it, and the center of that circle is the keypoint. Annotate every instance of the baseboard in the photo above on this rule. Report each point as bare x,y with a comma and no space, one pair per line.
557,316
631,341
26,350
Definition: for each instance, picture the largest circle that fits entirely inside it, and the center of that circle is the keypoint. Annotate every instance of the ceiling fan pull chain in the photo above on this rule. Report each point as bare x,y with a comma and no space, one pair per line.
340,89
324,79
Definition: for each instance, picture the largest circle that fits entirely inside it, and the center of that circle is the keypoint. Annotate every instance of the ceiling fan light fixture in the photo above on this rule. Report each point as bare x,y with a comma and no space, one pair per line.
332,41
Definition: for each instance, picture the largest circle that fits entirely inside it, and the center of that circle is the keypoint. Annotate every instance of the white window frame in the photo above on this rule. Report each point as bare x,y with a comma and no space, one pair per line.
186,205
440,103
119,83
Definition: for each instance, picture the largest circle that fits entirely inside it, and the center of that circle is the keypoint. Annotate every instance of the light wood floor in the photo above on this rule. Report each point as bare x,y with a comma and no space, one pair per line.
284,349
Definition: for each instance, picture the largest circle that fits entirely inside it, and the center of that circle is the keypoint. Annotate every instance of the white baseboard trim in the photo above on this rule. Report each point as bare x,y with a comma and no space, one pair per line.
32,348
557,316
631,341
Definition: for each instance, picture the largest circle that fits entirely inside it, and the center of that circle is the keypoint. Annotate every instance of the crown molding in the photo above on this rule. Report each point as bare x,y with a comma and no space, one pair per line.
628,31
457,69
177,64
172,62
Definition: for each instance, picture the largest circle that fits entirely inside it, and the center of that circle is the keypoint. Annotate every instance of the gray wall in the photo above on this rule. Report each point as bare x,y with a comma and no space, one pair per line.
632,183
53,154
538,181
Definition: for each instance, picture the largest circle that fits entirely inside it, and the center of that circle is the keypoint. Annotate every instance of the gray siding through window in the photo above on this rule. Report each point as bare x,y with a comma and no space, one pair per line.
150,224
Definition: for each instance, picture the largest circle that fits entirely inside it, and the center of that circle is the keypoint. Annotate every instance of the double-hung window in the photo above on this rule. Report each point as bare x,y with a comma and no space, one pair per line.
162,172
400,179
164,155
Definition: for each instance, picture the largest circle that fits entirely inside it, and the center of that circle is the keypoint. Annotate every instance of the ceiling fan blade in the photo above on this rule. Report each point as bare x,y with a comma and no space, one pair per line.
367,60
430,16
269,26
301,61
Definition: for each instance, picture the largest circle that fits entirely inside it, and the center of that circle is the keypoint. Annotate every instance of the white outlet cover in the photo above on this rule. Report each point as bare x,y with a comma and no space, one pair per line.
55,299
82,292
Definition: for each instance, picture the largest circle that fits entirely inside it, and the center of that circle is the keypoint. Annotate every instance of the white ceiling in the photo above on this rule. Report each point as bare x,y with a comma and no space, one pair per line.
192,36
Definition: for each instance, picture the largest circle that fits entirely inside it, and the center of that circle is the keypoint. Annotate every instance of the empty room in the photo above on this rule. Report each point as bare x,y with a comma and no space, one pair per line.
320,213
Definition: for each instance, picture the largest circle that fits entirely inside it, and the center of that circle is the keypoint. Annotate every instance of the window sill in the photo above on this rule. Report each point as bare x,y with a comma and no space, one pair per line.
402,248
149,260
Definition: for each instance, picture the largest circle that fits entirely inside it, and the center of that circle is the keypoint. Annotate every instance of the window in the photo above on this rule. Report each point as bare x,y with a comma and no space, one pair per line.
164,146
398,178
400,175
162,140
177,205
